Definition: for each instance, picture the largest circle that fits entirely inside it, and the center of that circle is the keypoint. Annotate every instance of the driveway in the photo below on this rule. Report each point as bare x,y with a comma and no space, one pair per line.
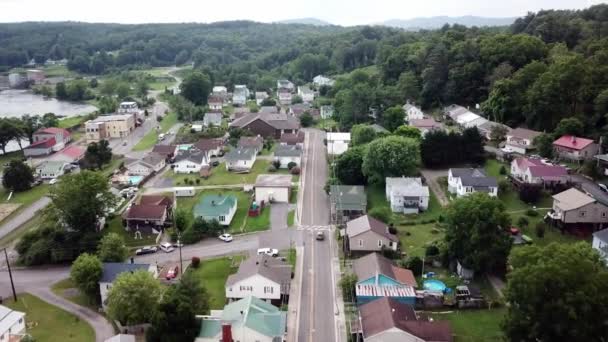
432,180
278,216
590,187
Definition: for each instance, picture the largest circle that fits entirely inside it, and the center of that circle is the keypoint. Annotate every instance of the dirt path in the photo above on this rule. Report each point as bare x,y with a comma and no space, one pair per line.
432,177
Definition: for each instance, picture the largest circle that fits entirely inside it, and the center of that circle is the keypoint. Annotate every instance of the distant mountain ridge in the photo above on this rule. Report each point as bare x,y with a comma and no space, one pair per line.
305,21
429,23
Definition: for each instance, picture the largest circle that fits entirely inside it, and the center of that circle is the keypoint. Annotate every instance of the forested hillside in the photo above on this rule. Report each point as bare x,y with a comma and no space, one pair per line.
546,66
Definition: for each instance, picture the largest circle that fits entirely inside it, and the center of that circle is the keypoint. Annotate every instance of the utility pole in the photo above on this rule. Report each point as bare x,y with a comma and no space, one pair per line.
10,274
179,245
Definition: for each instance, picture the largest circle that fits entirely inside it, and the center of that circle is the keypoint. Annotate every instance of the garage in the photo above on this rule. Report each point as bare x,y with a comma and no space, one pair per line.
273,188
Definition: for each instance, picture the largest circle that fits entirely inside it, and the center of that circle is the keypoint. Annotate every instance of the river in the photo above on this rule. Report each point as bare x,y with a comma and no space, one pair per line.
15,103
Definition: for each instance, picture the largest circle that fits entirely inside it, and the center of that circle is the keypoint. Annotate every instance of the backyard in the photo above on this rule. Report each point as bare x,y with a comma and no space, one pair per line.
221,176
67,289
474,325
212,274
241,222
150,139
115,226
48,323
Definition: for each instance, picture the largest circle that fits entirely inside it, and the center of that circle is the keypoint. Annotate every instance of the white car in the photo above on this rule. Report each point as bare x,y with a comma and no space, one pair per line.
226,237
53,181
167,247
268,251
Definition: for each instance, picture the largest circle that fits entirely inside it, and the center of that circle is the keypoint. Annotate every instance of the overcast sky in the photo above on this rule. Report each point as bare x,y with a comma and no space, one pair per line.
342,12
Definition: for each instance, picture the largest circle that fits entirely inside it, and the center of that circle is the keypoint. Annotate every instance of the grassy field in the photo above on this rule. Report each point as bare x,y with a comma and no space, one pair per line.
24,199
240,222
474,326
326,124
72,122
221,176
48,323
67,285
212,274
150,139
291,218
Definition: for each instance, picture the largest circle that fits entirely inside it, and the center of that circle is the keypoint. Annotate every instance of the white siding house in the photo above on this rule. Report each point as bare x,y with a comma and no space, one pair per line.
407,195
12,324
240,159
337,143
190,162
412,112
262,276
463,182
600,244
273,188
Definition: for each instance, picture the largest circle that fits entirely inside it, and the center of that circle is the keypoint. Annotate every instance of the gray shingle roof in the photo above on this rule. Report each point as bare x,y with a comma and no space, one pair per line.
271,268
192,155
273,181
111,270
366,223
240,153
288,151
474,177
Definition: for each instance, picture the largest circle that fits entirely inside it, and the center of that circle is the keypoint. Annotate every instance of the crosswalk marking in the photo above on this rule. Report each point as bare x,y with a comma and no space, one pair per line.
315,228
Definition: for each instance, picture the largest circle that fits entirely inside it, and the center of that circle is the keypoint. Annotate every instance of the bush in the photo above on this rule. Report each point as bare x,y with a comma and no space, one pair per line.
503,186
389,253
272,168
291,165
531,213
530,193
383,214
276,163
295,171
392,229
196,261
523,221
540,229
503,170
347,284
414,264
432,250
198,181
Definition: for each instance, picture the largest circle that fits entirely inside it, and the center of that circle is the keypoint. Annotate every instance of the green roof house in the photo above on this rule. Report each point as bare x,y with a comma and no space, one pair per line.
216,207
250,319
50,169
347,201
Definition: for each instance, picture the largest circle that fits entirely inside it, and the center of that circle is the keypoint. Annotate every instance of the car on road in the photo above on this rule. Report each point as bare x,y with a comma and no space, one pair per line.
268,251
603,187
124,143
166,247
172,273
320,236
215,163
146,250
226,237
53,181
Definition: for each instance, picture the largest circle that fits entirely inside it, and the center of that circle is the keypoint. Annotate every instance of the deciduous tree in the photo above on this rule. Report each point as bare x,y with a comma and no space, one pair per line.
86,272
17,176
393,118
349,165
362,134
112,248
196,88
134,298
391,156
98,154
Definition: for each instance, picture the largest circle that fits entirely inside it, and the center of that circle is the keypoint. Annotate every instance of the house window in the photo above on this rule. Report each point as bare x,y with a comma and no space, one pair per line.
222,218
360,242
582,214
379,243
604,214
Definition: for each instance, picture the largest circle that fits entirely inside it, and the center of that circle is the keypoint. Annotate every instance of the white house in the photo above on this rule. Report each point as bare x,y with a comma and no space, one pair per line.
12,324
521,140
262,276
463,181
240,159
121,338
273,188
407,195
327,112
260,96
184,191
306,94
50,169
216,207
212,119
240,95
534,171
111,270
152,162
321,80
247,320
287,154
216,102
412,112
337,143
285,84
284,97
190,161
600,244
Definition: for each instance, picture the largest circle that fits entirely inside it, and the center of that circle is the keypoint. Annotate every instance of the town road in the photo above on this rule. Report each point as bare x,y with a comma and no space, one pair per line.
317,311
24,216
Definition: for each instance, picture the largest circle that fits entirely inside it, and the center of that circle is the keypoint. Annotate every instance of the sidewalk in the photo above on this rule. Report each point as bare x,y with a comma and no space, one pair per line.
295,294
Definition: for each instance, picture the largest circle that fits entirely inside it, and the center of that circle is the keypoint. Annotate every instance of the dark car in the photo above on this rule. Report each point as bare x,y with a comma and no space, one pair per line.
215,163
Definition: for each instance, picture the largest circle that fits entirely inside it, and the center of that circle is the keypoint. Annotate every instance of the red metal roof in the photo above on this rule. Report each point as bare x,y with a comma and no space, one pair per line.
539,169
74,152
573,142
53,130
48,143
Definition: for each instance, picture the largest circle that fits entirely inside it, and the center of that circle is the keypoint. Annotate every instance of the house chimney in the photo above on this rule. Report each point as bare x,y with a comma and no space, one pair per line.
227,333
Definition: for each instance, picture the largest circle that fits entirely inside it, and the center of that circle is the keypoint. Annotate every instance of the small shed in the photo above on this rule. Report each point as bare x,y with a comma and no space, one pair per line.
463,272
184,191
273,188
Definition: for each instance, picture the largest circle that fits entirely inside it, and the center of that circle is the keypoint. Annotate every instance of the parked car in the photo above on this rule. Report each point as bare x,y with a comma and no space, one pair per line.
320,236
268,251
146,250
53,181
37,182
603,187
172,273
215,163
226,237
166,247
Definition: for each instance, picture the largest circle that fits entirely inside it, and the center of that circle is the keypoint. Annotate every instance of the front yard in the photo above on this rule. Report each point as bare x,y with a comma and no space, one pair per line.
212,274
241,222
48,323
221,176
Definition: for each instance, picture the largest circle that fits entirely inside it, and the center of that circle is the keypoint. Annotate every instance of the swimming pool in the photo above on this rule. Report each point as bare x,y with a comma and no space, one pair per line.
434,285
184,147
134,180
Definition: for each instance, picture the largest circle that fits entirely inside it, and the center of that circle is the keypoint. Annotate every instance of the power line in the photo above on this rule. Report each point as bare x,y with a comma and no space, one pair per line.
10,274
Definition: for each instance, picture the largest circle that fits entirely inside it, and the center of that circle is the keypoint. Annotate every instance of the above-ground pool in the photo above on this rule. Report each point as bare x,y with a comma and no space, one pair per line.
434,285
134,180
184,147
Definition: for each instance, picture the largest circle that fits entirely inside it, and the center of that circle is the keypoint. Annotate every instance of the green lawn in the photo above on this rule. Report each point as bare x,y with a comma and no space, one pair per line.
67,285
115,226
212,274
376,198
267,152
48,323
414,239
475,325
150,139
291,258
240,222
291,218
108,169
24,199
293,197
326,124
72,122
221,176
